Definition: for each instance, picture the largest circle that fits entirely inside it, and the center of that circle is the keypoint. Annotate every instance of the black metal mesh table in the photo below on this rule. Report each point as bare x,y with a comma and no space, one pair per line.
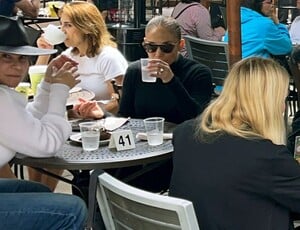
73,158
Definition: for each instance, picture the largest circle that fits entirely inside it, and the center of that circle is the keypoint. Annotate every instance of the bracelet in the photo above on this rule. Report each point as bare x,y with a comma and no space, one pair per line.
114,97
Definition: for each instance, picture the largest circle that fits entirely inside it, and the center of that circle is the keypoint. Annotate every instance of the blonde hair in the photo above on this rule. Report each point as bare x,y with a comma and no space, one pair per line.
252,102
88,20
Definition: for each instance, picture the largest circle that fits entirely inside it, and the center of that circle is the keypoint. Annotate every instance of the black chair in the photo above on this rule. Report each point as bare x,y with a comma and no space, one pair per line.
213,54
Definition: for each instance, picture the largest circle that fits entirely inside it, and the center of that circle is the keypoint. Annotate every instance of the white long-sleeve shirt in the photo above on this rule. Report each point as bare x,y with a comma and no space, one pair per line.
37,129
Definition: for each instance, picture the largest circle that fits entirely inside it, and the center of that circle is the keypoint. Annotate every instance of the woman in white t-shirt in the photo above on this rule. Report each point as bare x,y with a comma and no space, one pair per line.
90,44
99,61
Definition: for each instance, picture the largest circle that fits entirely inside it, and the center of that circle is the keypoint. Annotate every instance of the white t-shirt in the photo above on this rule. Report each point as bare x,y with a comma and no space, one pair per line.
95,71
295,30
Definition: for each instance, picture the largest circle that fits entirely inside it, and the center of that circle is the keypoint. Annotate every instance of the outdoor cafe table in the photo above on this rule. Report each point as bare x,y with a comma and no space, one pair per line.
74,158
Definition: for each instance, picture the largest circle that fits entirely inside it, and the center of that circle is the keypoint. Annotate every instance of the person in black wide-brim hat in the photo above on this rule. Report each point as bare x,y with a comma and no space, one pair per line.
14,40
37,129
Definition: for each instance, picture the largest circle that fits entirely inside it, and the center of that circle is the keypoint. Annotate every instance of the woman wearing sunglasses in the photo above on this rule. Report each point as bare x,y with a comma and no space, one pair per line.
182,90
183,87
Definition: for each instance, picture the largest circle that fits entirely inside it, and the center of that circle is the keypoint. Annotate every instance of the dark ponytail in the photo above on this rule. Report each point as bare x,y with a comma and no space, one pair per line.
255,5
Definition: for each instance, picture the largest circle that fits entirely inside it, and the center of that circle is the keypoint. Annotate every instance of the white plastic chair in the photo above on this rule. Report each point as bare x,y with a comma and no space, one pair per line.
125,207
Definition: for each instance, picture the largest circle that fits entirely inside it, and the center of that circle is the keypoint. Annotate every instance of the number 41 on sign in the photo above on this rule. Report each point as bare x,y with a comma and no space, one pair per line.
122,140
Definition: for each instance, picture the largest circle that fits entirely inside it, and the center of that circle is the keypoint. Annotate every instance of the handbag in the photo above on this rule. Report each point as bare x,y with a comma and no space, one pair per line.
33,33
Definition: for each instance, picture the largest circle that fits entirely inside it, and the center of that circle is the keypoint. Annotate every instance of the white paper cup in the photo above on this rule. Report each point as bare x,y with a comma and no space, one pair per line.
145,73
36,74
54,35
154,129
90,135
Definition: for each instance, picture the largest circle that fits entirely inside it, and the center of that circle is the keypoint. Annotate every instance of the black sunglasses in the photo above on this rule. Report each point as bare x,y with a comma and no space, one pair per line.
151,48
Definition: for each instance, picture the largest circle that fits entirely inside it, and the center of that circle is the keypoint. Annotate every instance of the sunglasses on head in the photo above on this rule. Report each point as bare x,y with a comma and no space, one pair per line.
151,48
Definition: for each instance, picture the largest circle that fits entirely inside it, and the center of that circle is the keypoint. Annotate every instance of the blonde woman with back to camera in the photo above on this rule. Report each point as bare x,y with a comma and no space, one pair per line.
240,174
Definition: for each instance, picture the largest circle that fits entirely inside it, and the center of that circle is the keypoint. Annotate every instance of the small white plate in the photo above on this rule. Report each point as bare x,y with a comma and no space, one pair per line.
83,93
77,138
75,89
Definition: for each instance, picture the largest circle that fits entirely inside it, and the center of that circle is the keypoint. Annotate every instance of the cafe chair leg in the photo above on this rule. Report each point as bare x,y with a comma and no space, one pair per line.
93,221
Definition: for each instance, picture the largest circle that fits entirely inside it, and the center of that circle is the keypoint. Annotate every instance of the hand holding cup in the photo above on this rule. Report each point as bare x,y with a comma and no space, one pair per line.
155,68
43,44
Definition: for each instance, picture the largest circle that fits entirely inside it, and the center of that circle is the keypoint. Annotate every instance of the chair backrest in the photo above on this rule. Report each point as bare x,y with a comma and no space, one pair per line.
283,3
214,54
125,207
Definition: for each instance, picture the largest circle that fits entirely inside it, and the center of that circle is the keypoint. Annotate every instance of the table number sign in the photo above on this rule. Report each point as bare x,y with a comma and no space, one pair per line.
121,140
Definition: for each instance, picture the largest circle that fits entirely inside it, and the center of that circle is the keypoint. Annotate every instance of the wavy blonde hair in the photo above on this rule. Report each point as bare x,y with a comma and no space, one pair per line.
88,20
252,102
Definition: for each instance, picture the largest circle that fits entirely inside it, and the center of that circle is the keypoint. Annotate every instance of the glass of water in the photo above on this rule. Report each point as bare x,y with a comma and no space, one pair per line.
90,135
154,128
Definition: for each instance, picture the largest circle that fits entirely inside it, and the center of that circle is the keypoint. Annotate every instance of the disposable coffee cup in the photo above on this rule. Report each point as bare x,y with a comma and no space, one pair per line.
145,73
54,35
36,74
154,129
90,135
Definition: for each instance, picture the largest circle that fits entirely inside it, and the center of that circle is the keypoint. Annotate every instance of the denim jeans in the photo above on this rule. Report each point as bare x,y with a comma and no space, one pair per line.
29,205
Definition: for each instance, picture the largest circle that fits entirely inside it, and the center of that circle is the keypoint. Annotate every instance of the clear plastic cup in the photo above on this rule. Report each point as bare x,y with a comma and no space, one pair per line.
154,129
145,73
36,74
90,135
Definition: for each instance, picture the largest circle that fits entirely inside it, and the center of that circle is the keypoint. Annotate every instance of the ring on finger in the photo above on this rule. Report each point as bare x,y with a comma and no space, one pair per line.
161,70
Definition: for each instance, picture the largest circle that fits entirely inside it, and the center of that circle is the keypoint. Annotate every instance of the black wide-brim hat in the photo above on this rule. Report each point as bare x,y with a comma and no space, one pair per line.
14,39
